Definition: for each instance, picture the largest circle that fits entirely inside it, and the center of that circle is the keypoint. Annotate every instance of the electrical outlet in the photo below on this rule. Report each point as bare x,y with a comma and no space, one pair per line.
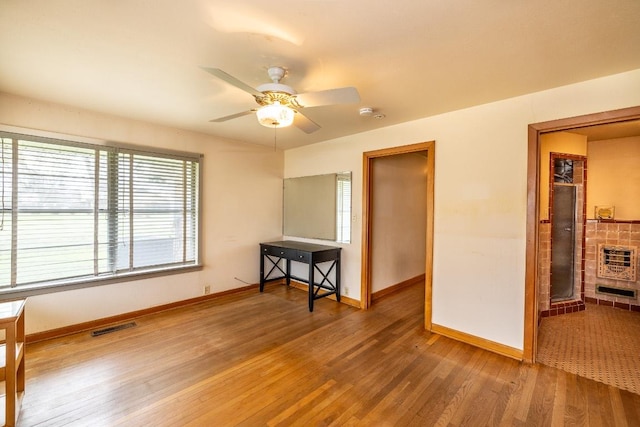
207,289
346,291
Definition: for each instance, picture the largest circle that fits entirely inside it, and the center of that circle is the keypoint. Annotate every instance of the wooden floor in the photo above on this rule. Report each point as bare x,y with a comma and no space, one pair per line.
262,359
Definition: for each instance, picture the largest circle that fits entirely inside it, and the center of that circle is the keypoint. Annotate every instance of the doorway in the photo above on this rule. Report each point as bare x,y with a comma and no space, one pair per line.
428,148
532,277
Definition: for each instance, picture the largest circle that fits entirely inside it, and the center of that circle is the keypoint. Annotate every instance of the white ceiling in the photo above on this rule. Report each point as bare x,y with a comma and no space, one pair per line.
408,59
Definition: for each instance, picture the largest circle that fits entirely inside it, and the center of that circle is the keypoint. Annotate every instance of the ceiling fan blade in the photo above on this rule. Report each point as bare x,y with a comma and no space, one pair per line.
343,95
304,123
232,116
232,80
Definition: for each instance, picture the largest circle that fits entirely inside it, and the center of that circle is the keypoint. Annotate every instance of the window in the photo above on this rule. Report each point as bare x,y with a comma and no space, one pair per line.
75,213
343,216
563,170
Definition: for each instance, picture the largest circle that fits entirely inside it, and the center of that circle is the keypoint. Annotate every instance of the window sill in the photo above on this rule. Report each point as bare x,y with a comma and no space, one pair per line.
41,289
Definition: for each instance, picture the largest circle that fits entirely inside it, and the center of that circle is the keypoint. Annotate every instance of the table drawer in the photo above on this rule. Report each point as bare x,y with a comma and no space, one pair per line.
279,252
302,257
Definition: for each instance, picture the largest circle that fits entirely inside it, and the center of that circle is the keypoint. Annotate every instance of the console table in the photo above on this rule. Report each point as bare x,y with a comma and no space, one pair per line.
308,253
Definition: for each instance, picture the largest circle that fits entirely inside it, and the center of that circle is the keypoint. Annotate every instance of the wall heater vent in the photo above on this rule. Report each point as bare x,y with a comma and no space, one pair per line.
617,262
619,292
110,329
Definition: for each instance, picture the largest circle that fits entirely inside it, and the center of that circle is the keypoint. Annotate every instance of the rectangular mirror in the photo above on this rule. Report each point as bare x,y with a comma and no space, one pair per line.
318,207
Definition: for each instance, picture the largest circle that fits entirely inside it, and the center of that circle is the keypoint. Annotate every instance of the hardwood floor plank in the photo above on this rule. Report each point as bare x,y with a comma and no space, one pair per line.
388,396
469,387
524,406
450,389
314,413
541,404
422,382
576,406
478,405
559,401
618,408
598,405
345,417
515,397
631,407
282,416
432,388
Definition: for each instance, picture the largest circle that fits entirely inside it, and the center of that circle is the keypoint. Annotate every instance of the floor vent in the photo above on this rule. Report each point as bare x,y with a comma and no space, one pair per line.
629,293
112,329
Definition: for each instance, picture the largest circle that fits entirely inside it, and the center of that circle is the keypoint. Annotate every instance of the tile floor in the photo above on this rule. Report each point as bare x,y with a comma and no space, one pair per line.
600,343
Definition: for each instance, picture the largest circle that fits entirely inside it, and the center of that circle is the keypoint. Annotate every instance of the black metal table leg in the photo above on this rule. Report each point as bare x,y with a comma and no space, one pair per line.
338,277
261,272
311,281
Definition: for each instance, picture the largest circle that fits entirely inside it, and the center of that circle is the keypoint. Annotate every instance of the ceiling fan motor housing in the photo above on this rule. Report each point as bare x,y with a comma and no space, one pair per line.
283,98
276,91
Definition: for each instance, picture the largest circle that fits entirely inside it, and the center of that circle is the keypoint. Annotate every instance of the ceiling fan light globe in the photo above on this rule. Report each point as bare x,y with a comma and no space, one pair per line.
275,115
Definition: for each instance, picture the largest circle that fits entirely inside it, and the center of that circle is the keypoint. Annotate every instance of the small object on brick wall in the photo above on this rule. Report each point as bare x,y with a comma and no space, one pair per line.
605,212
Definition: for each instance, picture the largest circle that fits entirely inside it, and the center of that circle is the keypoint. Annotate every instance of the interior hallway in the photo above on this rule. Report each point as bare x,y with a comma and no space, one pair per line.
600,343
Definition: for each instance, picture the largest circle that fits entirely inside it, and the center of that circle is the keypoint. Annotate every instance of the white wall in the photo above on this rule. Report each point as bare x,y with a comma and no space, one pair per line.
480,197
241,206
614,177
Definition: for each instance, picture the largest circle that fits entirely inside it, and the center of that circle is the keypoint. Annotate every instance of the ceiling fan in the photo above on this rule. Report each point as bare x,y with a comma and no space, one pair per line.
281,105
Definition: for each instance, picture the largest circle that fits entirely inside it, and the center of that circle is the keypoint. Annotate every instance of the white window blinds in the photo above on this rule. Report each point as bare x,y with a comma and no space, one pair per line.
74,212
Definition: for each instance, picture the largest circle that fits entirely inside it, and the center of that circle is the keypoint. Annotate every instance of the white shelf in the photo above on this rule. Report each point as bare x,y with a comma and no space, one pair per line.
12,365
